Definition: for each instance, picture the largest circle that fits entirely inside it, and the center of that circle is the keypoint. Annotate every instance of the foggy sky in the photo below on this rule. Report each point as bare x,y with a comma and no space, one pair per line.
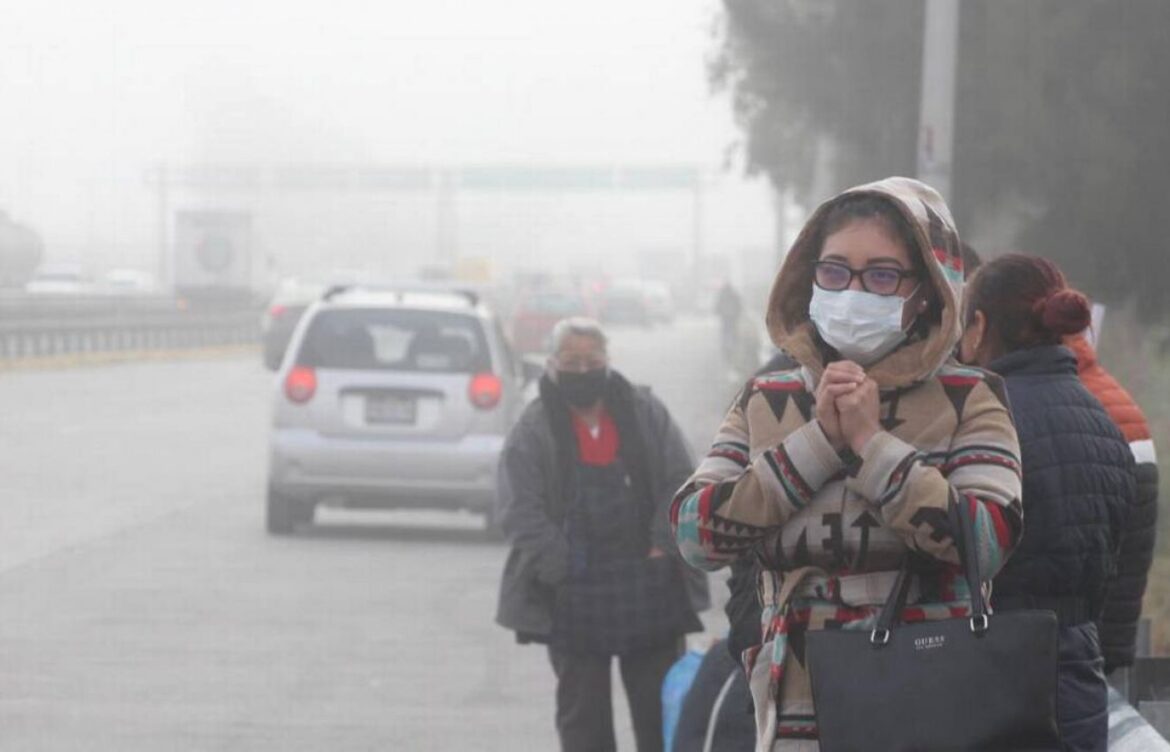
96,93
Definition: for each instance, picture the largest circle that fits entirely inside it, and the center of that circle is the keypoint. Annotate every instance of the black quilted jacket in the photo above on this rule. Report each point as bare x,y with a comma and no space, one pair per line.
1079,483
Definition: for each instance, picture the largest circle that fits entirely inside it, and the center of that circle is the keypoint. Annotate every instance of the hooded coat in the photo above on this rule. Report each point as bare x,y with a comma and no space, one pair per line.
834,528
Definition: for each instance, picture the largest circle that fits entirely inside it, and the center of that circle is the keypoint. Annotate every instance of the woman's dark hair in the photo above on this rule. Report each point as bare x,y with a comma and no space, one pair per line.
1027,302
881,210
971,259
856,207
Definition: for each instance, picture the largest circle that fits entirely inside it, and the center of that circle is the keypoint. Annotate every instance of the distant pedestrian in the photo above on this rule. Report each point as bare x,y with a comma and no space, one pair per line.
586,478
728,307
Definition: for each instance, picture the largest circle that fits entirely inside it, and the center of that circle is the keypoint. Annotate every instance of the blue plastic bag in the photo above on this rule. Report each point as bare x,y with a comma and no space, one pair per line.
675,686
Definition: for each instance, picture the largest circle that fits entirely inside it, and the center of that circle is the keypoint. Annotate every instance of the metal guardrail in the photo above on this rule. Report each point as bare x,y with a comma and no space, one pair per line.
16,304
53,338
1146,684
52,326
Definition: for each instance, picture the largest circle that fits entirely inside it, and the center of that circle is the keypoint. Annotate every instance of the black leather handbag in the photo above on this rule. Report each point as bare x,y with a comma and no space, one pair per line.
987,682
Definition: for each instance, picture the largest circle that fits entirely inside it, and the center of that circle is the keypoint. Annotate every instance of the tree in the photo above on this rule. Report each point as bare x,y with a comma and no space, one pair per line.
1061,142
806,73
1061,145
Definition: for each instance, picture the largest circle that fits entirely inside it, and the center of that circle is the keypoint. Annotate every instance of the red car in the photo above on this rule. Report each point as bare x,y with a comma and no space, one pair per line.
537,313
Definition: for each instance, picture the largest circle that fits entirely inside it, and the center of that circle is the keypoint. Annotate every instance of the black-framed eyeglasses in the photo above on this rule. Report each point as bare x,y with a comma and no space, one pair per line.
880,280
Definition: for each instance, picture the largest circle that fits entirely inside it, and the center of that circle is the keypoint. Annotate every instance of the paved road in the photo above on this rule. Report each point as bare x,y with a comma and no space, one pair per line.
145,609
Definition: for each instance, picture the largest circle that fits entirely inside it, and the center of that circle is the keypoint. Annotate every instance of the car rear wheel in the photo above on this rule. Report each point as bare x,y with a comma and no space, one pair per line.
272,359
284,514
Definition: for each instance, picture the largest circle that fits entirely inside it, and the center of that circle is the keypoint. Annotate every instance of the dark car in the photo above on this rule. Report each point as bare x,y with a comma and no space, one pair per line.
280,319
537,313
626,303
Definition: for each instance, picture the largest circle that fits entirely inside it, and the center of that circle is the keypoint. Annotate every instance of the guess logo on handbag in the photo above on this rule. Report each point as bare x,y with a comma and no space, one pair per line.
929,643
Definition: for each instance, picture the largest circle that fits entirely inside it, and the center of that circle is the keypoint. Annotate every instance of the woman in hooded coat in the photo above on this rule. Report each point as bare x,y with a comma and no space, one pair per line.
831,472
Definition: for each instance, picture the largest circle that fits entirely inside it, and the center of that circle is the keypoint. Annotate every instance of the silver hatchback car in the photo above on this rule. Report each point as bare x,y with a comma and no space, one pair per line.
391,399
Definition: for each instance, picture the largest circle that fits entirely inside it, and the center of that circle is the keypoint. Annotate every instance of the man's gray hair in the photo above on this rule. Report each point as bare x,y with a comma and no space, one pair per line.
579,325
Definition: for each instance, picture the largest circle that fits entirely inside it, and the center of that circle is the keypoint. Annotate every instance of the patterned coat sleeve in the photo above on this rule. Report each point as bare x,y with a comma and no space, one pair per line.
732,501
981,470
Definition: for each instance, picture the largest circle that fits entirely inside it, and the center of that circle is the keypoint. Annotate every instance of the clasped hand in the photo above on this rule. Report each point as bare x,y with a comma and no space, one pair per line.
847,405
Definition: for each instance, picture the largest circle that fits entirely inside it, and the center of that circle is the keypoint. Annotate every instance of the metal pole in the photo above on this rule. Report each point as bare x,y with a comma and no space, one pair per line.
937,114
446,218
697,221
161,176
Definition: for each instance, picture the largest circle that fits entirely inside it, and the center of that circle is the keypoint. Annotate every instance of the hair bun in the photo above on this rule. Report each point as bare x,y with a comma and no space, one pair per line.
1065,312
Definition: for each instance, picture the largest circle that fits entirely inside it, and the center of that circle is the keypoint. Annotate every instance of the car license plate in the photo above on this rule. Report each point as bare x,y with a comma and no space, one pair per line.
389,409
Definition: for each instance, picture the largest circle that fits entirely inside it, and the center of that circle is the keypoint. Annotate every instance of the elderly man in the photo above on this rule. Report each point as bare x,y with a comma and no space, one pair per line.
586,477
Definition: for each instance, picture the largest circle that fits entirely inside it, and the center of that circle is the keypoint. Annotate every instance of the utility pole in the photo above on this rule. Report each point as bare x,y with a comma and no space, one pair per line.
697,220
446,218
162,178
937,114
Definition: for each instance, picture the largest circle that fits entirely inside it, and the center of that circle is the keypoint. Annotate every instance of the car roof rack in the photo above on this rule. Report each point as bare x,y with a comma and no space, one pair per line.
471,296
334,290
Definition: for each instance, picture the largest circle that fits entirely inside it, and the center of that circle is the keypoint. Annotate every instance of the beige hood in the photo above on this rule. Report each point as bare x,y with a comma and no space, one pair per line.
938,244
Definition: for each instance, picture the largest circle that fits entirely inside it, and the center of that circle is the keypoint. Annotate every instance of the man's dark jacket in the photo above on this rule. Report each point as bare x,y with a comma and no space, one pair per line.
537,481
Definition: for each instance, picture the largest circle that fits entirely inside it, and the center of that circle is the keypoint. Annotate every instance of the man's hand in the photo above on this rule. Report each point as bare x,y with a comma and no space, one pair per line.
655,553
858,412
840,378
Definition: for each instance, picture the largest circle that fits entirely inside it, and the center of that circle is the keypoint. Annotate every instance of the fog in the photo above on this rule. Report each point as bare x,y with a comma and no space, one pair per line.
100,95
179,183
278,279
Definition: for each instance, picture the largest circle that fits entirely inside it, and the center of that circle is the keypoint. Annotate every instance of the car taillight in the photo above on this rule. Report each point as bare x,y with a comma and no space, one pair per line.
277,311
486,390
300,384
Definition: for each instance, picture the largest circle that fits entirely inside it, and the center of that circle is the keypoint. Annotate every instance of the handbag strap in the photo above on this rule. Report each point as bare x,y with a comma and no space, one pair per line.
968,546
965,543
894,604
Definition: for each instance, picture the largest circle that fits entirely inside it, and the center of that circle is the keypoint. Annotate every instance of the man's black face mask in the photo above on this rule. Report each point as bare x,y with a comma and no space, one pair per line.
582,389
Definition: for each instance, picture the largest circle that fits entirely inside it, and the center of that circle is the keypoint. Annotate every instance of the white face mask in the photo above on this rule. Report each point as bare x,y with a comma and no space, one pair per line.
860,325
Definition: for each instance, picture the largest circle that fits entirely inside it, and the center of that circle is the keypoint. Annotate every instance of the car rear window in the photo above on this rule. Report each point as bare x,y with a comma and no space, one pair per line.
395,340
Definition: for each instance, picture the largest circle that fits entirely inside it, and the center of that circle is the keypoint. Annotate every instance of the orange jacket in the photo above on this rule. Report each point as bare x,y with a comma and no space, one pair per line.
1121,406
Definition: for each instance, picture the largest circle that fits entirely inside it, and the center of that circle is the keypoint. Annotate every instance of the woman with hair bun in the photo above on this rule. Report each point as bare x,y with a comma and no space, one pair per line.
1078,476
